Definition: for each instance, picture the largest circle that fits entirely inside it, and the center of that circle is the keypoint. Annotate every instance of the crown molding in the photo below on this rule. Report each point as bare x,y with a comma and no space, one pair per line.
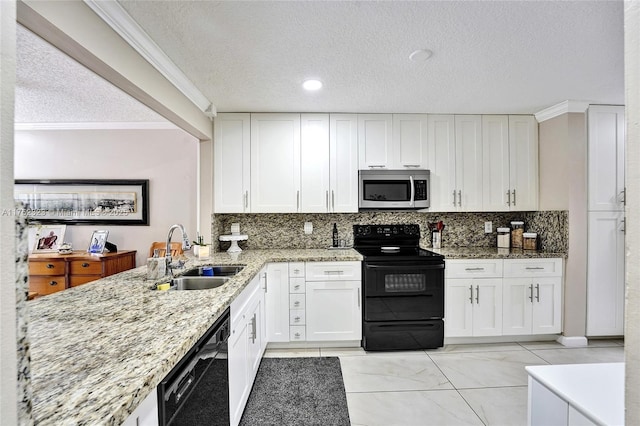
122,23
561,108
110,125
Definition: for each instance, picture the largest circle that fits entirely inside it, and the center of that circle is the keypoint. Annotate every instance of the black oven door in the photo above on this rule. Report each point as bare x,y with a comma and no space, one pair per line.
403,290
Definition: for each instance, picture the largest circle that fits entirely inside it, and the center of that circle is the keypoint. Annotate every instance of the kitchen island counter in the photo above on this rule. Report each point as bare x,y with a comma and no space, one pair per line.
98,350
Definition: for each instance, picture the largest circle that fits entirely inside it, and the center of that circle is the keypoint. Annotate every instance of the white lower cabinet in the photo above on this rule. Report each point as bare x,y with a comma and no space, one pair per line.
246,345
277,302
146,414
333,310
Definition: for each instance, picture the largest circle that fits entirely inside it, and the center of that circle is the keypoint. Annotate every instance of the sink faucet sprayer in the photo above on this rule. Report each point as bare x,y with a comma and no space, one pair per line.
185,244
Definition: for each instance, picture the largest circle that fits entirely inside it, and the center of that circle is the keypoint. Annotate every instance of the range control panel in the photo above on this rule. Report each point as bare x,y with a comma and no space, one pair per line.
386,231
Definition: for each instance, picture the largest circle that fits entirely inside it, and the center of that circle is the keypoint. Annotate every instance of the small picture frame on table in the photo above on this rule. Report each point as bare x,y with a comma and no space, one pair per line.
46,238
98,241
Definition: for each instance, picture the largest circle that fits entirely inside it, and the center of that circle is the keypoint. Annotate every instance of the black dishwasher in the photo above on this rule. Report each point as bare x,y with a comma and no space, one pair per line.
196,391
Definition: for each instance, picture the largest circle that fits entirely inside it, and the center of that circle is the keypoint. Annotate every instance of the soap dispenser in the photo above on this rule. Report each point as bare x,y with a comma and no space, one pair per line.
335,235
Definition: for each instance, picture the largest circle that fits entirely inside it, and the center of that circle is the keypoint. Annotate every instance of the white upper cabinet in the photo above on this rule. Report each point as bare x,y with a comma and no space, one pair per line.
606,158
374,141
275,163
232,163
442,162
409,143
314,163
343,164
468,168
510,163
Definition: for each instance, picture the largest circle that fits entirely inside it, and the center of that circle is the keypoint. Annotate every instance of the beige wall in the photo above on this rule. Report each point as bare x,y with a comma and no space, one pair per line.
168,158
553,146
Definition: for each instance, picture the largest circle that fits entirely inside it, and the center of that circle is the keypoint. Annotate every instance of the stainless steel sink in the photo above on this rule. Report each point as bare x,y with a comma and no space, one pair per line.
197,283
218,271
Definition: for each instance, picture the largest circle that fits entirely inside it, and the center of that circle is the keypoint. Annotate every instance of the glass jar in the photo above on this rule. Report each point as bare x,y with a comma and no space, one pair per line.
517,229
530,241
504,237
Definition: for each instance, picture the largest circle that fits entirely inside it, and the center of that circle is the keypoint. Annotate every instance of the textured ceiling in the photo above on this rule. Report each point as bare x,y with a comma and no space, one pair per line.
53,88
488,56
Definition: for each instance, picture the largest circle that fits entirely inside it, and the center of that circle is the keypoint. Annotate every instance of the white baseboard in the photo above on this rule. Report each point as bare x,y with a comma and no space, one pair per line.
573,342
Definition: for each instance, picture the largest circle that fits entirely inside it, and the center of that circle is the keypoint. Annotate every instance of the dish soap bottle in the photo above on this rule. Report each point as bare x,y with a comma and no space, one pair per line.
335,235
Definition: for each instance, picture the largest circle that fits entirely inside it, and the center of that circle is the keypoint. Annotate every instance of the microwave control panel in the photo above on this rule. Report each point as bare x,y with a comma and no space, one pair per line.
421,189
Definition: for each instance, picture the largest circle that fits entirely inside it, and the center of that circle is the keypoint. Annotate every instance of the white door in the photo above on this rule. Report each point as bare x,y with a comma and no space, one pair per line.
409,143
469,162
547,306
343,163
442,162
458,309
487,308
374,141
314,163
277,302
517,306
606,157
523,162
605,274
495,163
333,310
232,163
275,163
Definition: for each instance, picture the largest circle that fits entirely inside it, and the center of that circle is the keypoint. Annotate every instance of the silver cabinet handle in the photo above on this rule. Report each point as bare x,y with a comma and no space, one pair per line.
538,292
327,200
358,298
474,269
531,293
471,294
460,198
508,198
246,199
333,272
265,282
377,166
297,335
514,197
296,319
622,196
477,294
412,165
296,303
622,225
333,201
454,198
534,268
296,287
297,201
296,271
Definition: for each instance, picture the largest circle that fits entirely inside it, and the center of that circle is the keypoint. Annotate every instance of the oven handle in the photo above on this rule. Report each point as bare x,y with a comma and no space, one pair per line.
396,266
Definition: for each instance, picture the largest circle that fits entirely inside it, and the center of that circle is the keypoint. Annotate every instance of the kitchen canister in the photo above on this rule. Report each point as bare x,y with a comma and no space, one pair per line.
504,237
156,267
517,229
529,241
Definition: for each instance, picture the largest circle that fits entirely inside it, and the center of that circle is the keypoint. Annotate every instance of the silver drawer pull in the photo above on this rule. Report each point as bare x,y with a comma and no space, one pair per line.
474,269
297,335
296,287
333,272
534,268
296,304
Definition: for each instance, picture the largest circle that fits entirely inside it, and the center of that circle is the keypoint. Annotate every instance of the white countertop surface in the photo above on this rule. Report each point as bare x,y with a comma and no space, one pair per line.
595,390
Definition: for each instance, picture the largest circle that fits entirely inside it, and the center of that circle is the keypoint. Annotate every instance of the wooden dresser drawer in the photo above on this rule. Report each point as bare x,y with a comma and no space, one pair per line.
86,267
51,267
46,285
76,280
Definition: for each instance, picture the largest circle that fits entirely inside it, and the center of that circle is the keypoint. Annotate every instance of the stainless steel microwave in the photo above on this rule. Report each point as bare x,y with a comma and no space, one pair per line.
393,189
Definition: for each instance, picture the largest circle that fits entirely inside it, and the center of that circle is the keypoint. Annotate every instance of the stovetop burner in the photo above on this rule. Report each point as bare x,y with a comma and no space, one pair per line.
390,242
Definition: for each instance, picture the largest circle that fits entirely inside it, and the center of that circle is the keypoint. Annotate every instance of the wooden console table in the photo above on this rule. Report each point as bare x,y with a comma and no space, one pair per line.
52,272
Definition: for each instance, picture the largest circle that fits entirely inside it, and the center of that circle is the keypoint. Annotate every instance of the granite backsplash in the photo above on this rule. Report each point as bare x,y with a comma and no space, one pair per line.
286,230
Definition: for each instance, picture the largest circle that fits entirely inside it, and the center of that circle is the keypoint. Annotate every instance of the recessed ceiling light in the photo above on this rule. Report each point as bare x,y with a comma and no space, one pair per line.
420,55
312,84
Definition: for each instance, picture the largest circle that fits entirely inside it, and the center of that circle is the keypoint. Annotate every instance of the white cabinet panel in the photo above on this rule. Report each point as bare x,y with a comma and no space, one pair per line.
532,305
334,310
146,414
232,163
496,194
518,306
605,274
275,163
442,162
374,140
469,162
333,271
473,307
277,302
473,268
458,314
523,163
343,163
409,141
533,267
547,305
314,163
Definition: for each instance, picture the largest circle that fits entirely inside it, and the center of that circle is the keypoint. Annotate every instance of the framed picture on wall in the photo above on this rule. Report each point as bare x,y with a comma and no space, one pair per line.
48,238
98,241
84,202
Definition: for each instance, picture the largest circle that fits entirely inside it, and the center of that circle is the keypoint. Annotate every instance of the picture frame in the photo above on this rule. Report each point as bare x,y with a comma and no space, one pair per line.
97,242
48,238
84,201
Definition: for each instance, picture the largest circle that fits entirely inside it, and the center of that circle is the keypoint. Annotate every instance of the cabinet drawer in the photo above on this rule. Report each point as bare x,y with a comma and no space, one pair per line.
296,269
296,301
297,333
297,317
333,271
470,268
296,285
85,267
54,267
76,280
46,285
533,267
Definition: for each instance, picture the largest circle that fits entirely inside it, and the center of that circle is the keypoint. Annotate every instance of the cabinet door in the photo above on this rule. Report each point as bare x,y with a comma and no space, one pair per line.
469,162
314,163
523,162
254,345
238,350
458,309
487,308
517,306
409,141
547,306
606,158
442,162
496,195
232,145
275,163
343,163
147,412
605,274
374,141
277,302
333,310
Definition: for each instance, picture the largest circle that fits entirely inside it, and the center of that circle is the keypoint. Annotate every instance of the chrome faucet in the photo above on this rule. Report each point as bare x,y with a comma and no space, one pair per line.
185,246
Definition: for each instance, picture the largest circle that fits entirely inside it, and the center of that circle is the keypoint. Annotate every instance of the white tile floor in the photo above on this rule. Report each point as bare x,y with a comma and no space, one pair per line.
455,385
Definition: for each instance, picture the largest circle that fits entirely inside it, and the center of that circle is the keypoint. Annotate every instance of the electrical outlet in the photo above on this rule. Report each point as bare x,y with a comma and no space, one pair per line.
488,227
308,228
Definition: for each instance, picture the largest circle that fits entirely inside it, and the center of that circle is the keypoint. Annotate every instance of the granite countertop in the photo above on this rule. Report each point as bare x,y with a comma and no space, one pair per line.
493,253
99,349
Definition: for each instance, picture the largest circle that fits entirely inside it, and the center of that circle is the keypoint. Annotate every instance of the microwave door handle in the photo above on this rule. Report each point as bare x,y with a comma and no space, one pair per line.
413,192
